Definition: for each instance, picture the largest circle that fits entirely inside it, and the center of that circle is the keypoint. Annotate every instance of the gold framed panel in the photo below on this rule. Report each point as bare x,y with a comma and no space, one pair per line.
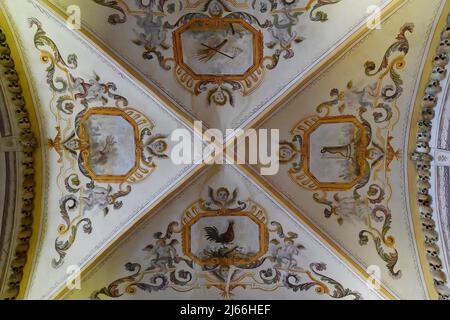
263,238
85,144
360,152
214,23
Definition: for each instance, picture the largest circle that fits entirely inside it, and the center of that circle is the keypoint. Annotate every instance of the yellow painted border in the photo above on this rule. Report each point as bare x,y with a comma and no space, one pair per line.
84,137
412,175
263,238
208,24
37,158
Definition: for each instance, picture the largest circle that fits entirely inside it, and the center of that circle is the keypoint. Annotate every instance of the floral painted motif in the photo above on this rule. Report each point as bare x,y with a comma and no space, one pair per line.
223,253
350,139
218,47
104,146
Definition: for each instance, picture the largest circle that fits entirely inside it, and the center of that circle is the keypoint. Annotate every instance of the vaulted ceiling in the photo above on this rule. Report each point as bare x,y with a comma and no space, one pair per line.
361,111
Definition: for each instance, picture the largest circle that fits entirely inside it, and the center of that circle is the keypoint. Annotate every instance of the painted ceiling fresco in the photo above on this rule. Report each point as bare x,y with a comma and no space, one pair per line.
222,61
140,227
107,147
344,150
223,238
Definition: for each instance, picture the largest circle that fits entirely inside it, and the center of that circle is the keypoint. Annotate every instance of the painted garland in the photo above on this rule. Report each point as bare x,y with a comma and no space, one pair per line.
363,118
28,145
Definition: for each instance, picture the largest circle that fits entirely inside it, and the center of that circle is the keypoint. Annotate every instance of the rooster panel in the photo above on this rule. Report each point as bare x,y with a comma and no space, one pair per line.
223,238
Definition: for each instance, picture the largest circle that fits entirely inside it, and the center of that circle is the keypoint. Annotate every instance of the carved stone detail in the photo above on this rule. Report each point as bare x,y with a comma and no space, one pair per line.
423,158
27,144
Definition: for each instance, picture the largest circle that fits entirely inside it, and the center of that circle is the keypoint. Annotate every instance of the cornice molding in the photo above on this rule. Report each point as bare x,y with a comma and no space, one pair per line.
27,142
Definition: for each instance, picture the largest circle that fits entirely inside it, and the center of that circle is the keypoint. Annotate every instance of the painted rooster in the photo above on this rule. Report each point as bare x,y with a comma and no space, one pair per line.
212,234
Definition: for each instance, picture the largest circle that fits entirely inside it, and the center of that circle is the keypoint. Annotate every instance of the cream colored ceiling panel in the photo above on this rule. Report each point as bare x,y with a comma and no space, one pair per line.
222,61
108,154
222,238
344,148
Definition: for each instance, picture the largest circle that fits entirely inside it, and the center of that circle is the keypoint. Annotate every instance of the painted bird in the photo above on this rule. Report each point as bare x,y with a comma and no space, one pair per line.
212,234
